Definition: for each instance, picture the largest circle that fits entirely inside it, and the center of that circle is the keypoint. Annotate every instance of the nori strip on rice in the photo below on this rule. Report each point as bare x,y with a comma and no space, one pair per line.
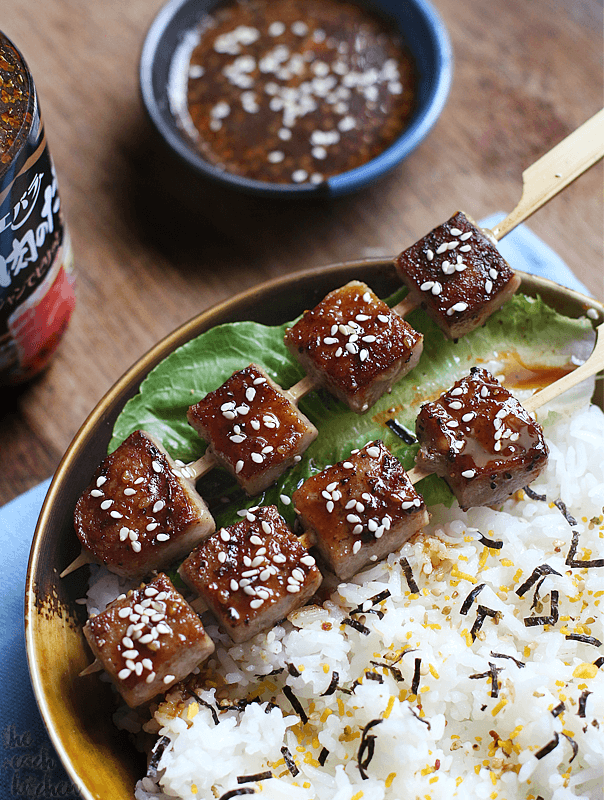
555,712
533,495
467,603
416,676
374,601
571,561
582,637
158,750
297,706
356,625
322,757
367,747
495,545
536,592
532,622
259,776
237,793
482,613
548,747
206,705
583,702
408,573
565,513
518,663
333,684
492,673
542,569
397,674
574,746
289,761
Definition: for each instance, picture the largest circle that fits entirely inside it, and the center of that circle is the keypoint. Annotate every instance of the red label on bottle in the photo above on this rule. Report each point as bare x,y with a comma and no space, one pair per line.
36,276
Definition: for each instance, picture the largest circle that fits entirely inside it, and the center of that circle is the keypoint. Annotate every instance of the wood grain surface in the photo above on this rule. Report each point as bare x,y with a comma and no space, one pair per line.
153,248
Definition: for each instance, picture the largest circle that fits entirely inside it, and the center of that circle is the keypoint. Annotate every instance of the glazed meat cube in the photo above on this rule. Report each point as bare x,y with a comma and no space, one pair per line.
457,275
480,439
354,345
138,513
148,640
253,573
252,428
361,509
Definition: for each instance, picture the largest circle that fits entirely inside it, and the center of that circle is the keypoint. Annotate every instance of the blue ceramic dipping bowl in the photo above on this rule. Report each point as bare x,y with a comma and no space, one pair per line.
422,30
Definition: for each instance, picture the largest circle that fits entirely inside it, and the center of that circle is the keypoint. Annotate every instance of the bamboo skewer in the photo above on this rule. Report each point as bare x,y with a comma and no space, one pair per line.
554,171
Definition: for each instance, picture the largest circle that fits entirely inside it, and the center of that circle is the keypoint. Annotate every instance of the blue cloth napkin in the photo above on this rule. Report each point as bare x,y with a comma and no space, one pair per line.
29,766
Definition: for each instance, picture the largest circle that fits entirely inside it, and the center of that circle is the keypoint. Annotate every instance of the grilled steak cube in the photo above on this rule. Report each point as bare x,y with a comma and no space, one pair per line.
457,275
148,640
354,345
360,509
253,573
138,513
252,428
481,440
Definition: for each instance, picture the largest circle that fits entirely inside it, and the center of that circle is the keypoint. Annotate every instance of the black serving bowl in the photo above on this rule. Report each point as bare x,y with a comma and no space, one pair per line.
77,710
422,30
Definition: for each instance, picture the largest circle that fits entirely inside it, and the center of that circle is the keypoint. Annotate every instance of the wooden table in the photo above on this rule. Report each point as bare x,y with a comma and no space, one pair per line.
527,72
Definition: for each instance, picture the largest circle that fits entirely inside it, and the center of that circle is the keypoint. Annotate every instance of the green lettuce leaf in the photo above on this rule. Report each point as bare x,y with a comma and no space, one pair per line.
524,326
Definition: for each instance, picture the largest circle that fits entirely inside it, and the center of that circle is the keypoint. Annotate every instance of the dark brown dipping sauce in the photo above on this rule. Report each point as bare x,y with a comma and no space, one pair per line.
295,91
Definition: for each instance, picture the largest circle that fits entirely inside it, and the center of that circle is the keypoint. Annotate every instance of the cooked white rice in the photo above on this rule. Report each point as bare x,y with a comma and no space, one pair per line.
447,736
542,735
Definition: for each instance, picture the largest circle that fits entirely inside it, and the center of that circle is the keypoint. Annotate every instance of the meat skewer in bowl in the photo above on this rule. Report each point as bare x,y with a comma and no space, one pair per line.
141,511
437,433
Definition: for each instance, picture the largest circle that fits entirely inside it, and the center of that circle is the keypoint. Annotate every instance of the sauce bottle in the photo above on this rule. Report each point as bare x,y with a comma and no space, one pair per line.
36,270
